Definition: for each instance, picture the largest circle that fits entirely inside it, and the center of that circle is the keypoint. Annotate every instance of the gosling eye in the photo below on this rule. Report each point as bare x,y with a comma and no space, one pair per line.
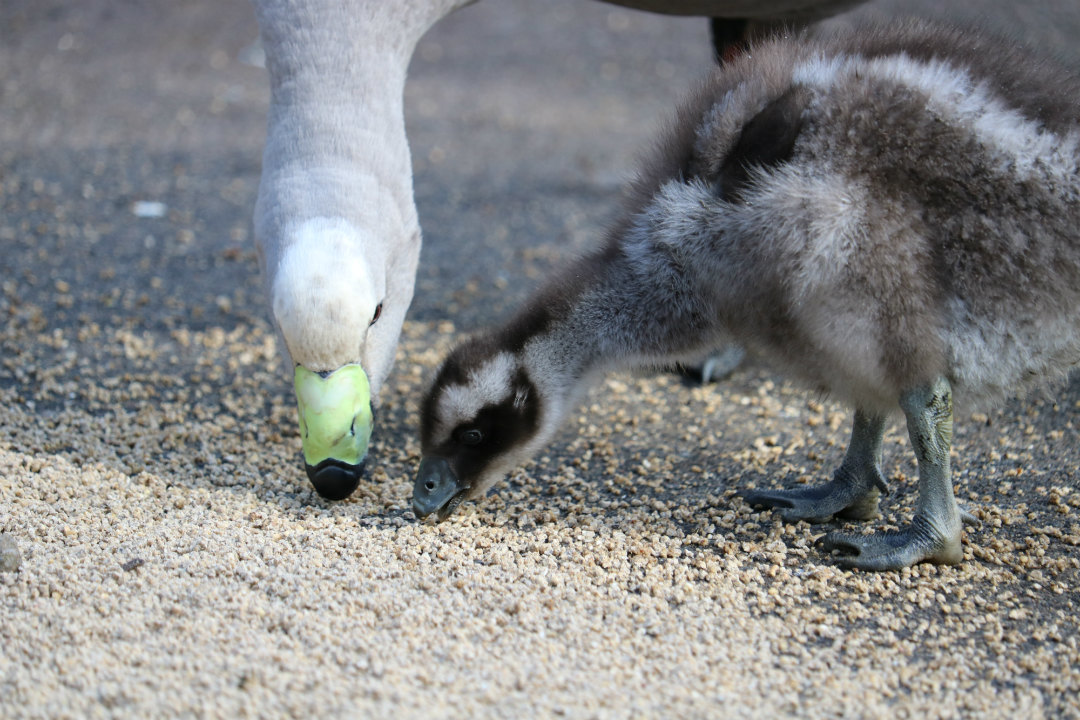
377,315
471,436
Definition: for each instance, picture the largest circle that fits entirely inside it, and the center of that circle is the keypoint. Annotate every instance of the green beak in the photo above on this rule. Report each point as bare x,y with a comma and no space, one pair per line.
335,426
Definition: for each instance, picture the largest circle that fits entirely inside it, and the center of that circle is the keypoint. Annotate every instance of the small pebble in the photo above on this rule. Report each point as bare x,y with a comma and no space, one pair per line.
148,209
10,557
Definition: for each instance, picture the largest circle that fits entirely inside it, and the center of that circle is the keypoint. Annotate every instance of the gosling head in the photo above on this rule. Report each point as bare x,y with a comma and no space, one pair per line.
483,415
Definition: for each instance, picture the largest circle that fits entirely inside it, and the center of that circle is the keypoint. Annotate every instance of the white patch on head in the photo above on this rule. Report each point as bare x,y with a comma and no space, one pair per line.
489,384
492,383
323,295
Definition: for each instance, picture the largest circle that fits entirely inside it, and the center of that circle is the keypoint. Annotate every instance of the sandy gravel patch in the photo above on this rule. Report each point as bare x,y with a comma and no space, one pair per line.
174,559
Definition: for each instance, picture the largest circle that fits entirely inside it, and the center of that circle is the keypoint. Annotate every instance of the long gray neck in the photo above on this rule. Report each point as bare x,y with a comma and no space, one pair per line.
336,144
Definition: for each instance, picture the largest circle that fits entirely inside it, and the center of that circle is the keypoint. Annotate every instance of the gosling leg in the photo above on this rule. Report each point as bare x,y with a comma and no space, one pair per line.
934,534
853,492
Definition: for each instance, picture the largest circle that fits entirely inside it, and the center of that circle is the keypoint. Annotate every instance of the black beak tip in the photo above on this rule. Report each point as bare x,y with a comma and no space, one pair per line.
333,479
420,510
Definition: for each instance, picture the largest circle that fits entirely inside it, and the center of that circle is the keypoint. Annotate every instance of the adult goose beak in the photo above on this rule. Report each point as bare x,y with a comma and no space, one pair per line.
335,426
437,489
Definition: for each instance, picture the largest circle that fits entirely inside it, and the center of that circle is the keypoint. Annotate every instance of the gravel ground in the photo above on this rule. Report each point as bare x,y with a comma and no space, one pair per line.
162,554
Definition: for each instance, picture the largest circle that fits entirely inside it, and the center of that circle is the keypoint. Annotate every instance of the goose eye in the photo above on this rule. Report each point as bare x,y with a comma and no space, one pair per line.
472,436
375,317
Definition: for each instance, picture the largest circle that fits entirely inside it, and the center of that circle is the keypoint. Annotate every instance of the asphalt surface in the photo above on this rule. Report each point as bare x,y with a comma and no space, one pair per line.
130,143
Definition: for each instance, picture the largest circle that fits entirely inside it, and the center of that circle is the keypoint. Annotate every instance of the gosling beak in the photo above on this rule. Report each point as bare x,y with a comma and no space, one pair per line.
436,489
335,427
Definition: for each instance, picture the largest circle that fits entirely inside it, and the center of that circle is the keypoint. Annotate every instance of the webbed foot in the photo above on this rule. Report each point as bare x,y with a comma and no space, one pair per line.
853,492
843,496
894,549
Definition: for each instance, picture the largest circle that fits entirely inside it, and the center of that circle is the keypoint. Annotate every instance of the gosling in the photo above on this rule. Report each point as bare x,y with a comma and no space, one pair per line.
889,214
